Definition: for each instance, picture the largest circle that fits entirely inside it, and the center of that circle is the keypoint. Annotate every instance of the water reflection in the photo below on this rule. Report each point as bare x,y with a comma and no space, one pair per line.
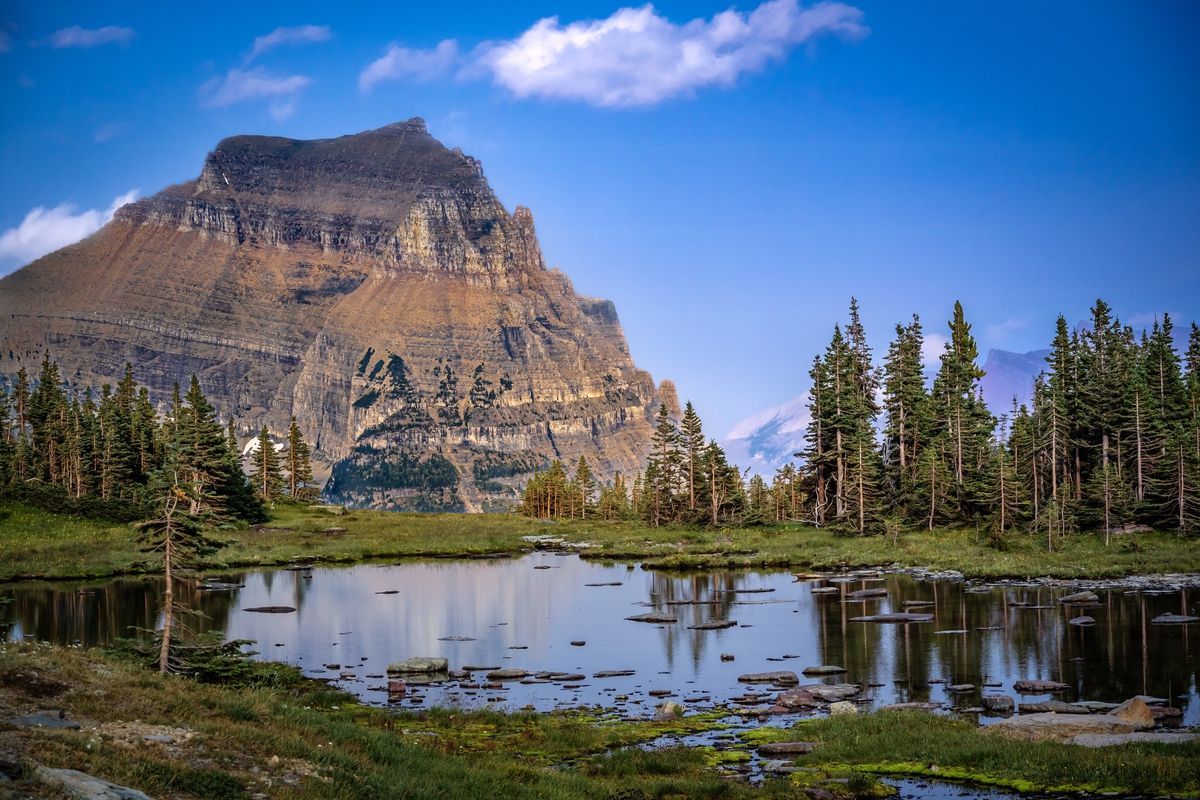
525,613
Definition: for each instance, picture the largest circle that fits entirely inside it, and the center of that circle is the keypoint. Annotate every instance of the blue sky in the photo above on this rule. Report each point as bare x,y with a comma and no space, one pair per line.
1024,158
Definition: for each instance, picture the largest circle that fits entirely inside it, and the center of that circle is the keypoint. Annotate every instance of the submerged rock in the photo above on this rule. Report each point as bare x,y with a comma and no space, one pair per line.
895,617
1080,598
507,675
271,609
823,670
784,677
1083,620
1174,619
715,625
614,673
1039,687
653,616
862,594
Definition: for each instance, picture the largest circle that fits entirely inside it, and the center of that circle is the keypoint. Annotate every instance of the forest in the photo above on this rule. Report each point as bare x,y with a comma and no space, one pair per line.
1110,444
114,455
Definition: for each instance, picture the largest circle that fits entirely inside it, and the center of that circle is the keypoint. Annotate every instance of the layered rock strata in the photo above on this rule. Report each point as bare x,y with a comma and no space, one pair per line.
371,285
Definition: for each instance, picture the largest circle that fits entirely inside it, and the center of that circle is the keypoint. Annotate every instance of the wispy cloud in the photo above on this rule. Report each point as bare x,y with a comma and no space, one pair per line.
255,84
110,131
636,57
303,34
932,349
401,63
46,230
1000,332
76,36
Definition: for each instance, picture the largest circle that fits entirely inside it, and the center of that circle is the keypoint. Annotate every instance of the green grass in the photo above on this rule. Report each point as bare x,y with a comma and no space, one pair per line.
35,543
907,743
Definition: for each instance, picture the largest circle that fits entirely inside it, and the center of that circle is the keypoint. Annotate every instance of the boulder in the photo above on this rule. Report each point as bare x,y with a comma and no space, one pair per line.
1083,620
842,708
1174,619
653,616
1080,598
420,664
785,748
824,670
1135,712
1109,739
667,711
1039,687
397,687
507,675
82,786
797,698
784,677
1055,727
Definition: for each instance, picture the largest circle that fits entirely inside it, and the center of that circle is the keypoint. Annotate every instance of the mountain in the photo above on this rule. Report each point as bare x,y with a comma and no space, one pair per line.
371,285
1011,375
766,441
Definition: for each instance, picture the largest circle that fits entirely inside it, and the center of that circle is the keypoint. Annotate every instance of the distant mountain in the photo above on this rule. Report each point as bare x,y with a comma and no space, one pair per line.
765,441
1011,375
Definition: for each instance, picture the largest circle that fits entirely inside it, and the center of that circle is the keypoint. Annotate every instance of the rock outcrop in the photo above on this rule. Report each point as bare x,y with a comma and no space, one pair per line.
371,285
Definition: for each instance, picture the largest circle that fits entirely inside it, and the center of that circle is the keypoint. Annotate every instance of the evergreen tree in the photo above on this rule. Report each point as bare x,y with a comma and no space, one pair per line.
906,404
300,477
663,469
267,479
586,484
691,437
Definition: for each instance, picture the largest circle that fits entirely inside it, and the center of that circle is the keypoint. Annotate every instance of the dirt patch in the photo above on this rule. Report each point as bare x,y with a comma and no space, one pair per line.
132,734
34,683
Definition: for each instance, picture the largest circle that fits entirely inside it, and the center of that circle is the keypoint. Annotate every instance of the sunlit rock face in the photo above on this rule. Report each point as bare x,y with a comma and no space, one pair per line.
371,285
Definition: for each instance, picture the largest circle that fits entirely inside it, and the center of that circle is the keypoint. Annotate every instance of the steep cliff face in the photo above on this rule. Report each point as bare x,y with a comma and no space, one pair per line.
371,285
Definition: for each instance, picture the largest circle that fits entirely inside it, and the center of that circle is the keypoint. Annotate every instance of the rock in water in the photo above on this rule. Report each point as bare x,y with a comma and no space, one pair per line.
770,677
797,698
863,594
824,670
998,703
1083,620
1080,598
419,664
654,616
271,609
1039,687
785,748
1174,619
1135,712
507,675
667,711
374,286
715,625
894,618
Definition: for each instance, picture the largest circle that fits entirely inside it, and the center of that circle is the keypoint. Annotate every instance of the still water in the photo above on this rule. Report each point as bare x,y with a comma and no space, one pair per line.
525,613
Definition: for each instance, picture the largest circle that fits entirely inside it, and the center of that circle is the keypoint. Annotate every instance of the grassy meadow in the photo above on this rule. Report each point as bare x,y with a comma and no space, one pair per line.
34,543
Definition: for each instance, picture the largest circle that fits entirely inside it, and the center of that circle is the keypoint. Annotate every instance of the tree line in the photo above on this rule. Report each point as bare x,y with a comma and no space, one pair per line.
1109,442
1112,437
114,445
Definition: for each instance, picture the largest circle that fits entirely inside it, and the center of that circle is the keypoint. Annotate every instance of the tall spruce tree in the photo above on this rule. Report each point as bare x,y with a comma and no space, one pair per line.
691,438
267,477
299,467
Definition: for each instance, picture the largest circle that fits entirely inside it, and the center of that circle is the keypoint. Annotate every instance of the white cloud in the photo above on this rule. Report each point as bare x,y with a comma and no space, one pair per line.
1000,332
281,36
400,63
256,84
932,349
44,231
76,36
636,57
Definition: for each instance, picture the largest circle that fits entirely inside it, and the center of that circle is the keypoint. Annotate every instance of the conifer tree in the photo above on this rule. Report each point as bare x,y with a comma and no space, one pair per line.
267,479
906,404
691,436
299,468
586,484
663,469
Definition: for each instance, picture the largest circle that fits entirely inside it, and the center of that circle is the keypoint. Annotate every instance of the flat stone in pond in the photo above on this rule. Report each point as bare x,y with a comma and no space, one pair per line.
456,639
785,748
419,664
653,616
614,673
865,593
831,692
473,668
999,703
1054,707
558,678
507,675
898,618
1039,687
957,630
1083,620
961,688
784,677
271,609
578,643
611,583
823,670
797,698
825,590
715,625
1174,619
1080,598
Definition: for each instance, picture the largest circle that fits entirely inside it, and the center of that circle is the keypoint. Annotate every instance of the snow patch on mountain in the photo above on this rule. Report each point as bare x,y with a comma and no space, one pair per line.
765,441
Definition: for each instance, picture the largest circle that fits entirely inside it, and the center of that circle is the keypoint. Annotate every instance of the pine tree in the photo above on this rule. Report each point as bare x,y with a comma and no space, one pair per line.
299,468
906,403
691,436
663,469
267,479
586,486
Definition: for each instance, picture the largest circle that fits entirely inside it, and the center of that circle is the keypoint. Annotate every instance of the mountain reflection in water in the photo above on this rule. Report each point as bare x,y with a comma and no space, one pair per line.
500,605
